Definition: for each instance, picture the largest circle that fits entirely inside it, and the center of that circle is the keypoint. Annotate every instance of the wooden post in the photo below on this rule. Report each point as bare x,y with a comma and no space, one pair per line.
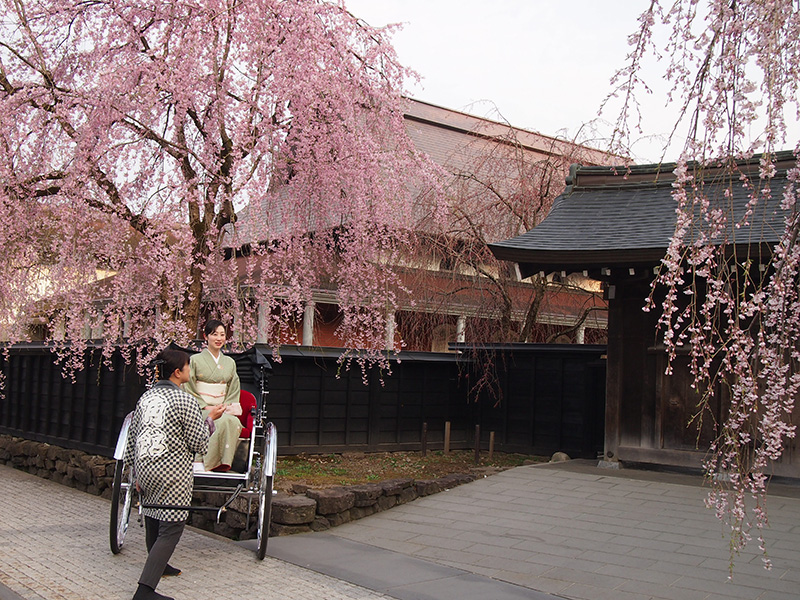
477,444
424,439
446,437
491,445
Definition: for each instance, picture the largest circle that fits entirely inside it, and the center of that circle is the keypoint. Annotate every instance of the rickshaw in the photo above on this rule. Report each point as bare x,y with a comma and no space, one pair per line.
255,481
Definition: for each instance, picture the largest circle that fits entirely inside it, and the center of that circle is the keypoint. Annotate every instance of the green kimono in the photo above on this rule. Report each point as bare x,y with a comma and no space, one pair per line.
223,442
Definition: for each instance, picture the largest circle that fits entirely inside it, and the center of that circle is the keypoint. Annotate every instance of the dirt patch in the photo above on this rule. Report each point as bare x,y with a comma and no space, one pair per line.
353,468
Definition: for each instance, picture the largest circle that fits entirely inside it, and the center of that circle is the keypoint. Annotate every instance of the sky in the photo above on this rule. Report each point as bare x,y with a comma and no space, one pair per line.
543,65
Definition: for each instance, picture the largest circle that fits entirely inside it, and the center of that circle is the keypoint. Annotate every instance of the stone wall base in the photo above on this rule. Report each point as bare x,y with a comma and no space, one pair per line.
305,509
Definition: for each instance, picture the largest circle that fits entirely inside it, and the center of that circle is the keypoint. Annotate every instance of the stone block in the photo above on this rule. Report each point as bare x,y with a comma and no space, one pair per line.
386,502
244,506
359,512
393,487
299,488
77,458
366,494
332,500
65,454
407,495
426,487
235,519
339,518
80,474
320,523
293,510
98,466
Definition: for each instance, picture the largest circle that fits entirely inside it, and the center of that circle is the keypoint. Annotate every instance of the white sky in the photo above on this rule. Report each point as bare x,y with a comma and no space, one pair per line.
544,64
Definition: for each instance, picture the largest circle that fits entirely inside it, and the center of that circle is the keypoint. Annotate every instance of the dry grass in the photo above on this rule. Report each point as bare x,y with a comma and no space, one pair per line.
351,468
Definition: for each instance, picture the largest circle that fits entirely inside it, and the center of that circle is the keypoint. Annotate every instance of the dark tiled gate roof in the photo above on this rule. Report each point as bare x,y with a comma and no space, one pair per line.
606,219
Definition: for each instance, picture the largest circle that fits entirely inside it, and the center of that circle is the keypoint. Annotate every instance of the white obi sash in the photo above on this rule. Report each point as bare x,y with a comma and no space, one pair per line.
211,393
214,394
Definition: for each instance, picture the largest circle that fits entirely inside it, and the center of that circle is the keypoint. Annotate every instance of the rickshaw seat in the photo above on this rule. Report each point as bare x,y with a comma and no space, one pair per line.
248,402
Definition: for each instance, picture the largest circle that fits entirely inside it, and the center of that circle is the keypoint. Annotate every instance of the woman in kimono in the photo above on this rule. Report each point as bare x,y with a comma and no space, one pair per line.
214,382
166,431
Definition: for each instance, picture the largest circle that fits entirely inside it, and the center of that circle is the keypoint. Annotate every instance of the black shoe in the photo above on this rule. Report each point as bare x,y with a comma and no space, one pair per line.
170,571
145,592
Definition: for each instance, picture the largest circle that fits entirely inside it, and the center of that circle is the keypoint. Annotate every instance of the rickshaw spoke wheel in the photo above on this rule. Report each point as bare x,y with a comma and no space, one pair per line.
121,501
265,493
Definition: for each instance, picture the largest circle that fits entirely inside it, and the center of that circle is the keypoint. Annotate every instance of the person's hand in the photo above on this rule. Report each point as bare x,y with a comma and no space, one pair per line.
215,412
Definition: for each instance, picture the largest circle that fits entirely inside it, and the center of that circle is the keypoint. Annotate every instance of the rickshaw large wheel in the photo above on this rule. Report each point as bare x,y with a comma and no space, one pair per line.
121,501
264,515
265,490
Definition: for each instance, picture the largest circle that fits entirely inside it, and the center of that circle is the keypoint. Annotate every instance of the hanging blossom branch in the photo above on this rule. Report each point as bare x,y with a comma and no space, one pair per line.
738,317
723,299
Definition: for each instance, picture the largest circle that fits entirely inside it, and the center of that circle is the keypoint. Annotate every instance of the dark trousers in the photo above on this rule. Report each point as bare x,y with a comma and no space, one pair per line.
161,538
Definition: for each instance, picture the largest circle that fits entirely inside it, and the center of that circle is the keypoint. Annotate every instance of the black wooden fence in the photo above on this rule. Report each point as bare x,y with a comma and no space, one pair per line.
83,411
552,400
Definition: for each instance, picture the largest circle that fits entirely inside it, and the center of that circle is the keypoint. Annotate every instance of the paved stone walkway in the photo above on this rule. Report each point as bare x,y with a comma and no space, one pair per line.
577,531
567,530
54,546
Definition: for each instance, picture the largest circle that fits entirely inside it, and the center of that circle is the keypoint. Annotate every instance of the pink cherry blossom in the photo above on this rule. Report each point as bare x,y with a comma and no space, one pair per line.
137,136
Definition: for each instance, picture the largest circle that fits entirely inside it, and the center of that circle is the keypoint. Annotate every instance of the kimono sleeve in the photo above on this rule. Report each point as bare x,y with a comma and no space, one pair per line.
191,385
234,387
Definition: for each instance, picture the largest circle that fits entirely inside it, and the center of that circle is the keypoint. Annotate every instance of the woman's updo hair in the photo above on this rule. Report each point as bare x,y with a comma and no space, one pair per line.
211,326
172,360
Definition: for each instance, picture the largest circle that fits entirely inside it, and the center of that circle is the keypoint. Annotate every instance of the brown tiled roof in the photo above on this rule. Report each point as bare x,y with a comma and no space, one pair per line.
454,140
440,132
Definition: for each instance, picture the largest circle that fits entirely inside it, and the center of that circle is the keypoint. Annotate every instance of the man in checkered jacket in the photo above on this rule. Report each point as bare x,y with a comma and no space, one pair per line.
166,431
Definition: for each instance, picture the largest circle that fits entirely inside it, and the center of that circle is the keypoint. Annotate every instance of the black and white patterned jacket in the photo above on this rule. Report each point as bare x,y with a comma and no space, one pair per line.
166,431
